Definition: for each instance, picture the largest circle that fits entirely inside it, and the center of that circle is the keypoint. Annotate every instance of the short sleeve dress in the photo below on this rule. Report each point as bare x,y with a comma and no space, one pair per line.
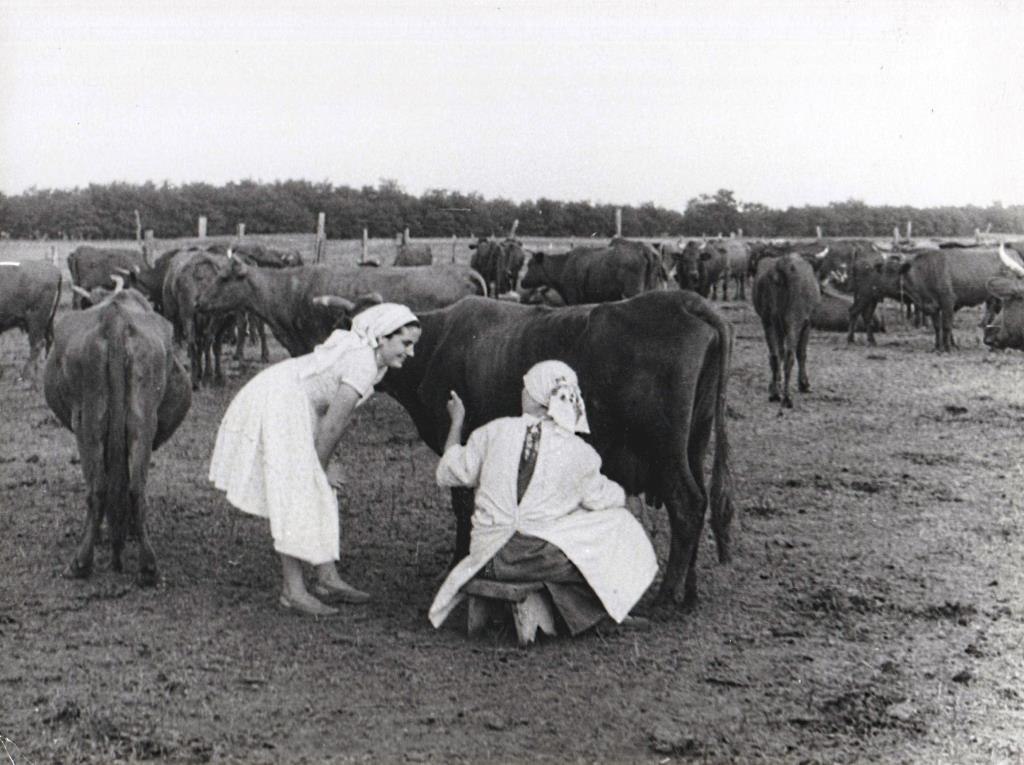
265,456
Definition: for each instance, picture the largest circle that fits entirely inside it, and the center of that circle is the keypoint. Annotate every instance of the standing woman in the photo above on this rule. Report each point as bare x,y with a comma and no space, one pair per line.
277,438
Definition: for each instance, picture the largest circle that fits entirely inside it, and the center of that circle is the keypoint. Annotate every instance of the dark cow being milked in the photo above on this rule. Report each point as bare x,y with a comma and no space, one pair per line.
296,302
29,294
785,294
112,379
653,371
595,275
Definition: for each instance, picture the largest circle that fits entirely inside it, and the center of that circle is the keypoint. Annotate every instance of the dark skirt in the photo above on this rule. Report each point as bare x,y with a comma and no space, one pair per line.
529,559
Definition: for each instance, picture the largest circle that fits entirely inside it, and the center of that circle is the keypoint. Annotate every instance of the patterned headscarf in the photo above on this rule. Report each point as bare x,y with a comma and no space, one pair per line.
379,321
553,385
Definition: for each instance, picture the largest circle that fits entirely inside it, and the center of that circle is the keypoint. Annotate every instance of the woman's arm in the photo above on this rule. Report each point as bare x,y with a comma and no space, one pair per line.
334,422
457,414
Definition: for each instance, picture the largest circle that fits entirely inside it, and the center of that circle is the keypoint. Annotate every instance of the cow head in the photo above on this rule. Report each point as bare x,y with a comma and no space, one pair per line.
229,290
508,265
535,275
689,265
334,312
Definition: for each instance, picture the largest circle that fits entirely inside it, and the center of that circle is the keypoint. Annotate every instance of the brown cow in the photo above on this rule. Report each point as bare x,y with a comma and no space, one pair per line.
785,294
29,294
623,269
112,379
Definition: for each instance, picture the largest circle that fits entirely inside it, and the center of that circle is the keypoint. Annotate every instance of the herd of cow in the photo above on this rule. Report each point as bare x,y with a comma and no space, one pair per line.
653,362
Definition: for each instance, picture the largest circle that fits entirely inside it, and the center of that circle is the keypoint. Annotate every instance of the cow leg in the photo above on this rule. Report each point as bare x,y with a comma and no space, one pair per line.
462,506
262,331
241,321
789,344
773,360
30,371
686,505
803,382
88,433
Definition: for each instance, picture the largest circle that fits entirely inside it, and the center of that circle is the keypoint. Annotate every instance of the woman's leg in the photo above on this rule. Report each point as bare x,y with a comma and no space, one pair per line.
294,588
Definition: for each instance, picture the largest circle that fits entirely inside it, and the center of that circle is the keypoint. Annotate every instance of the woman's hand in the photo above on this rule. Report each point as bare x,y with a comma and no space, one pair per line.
457,413
335,475
456,409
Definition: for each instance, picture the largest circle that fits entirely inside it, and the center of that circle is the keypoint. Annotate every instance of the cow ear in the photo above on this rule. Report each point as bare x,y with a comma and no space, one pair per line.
1003,288
904,267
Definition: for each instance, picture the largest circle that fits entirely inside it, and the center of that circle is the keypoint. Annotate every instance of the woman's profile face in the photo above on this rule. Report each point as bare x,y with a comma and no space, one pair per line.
394,350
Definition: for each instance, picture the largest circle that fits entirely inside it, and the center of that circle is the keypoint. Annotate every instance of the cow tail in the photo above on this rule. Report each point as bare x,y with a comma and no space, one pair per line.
722,508
481,284
116,437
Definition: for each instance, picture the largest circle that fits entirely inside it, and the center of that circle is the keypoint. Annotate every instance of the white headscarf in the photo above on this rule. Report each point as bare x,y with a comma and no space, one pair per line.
367,330
379,321
553,385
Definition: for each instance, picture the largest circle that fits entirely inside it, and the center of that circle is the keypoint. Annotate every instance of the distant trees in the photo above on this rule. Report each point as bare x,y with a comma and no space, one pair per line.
107,211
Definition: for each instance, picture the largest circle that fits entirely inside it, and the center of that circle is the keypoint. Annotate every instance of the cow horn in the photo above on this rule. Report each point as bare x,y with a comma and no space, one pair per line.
334,301
79,291
231,255
1010,263
822,254
123,271
118,283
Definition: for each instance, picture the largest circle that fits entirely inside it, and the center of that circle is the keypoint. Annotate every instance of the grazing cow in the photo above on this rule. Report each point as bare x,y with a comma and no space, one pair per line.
833,314
285,298
258,255
699,267
943,281
202,334
413,255
113,380
499,263
653,370
29,294
1006,330
594,275
785,294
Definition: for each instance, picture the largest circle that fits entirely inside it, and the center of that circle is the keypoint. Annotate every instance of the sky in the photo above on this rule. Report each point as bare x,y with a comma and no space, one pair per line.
790,102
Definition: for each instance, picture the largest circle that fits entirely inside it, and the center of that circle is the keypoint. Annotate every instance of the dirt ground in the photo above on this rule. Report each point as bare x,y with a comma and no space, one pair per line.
873,612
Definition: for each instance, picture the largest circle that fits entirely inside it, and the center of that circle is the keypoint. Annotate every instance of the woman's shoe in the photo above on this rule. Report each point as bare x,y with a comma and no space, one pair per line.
333,593
319,610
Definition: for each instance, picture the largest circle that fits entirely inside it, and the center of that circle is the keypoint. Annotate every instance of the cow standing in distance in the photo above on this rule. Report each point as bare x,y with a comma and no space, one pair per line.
92,267
413,255
113,380
653,370
699,268
832,314
623,269
297,302
785,294
29,295
499,262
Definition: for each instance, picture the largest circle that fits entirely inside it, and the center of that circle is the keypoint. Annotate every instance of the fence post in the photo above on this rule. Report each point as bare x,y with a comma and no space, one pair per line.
366,246
405,236
147,246
138,228
453,248
241,230
321,236
202,227
817,231
910,228
618,221
53,254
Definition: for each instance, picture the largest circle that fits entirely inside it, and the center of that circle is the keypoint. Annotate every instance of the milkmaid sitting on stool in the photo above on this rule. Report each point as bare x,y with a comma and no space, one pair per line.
544,512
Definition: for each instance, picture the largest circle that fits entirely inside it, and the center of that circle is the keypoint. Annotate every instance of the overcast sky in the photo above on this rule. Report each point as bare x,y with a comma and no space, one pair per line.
785,103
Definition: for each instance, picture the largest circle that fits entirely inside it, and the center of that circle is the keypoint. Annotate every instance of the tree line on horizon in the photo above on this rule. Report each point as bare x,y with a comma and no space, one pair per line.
107,211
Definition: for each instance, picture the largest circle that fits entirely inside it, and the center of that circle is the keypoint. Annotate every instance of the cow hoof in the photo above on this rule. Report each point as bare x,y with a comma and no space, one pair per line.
804,387
787,403
77,571
148,578
774,397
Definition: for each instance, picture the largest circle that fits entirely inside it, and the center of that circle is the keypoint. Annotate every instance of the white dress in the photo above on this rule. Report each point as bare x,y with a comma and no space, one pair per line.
265,455
568,503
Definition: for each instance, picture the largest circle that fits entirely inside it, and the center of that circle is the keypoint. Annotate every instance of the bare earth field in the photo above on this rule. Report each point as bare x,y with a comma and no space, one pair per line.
874,611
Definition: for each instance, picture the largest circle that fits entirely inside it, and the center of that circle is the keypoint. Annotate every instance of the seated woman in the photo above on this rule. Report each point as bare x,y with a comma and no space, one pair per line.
544,512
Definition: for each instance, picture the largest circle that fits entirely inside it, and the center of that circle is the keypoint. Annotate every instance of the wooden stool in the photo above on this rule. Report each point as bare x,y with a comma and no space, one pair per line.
529,601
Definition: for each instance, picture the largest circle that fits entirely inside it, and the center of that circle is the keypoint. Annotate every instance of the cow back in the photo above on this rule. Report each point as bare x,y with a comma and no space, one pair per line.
29,292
